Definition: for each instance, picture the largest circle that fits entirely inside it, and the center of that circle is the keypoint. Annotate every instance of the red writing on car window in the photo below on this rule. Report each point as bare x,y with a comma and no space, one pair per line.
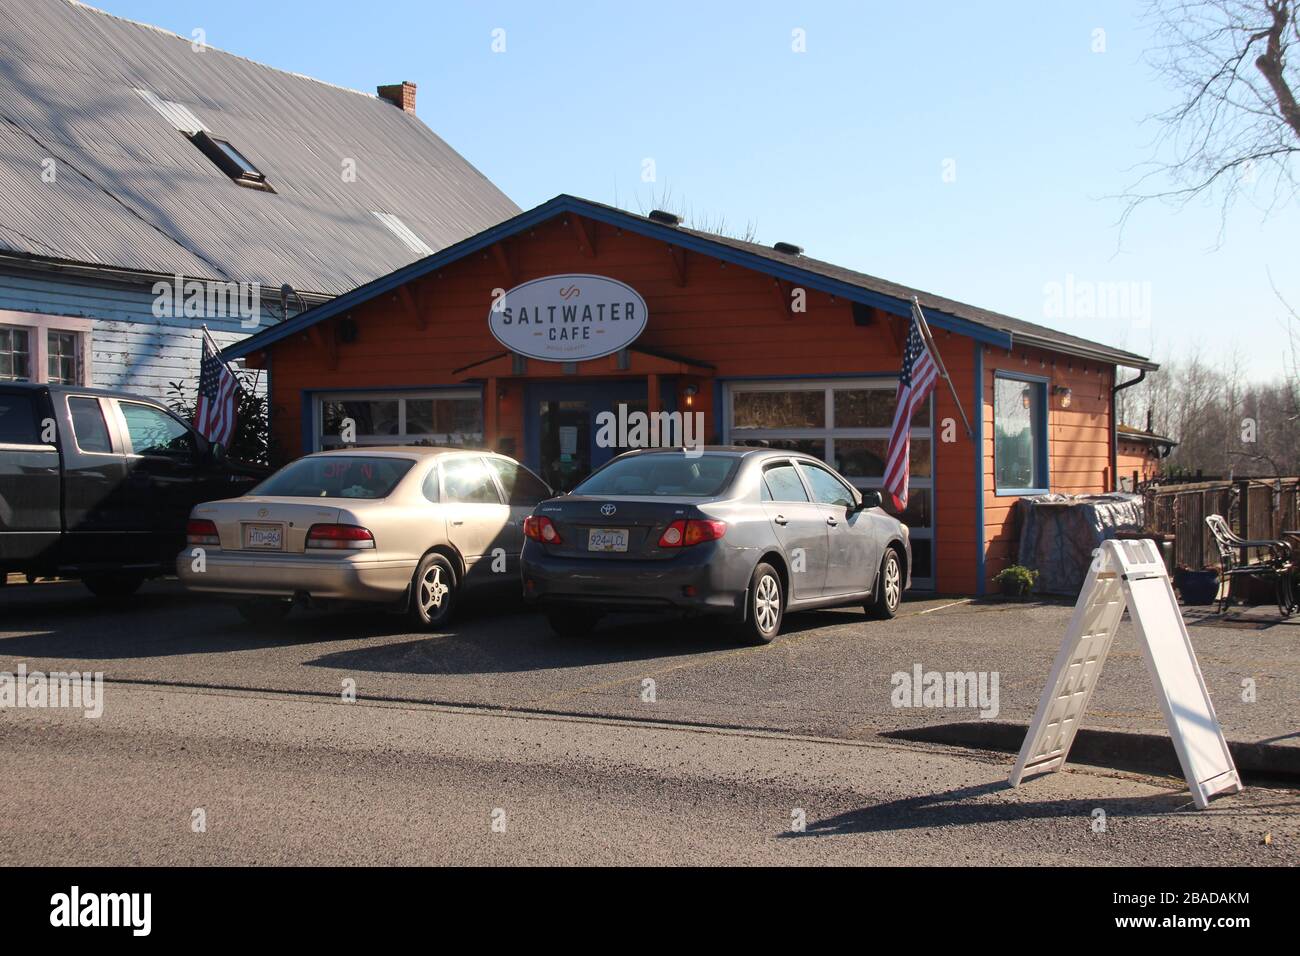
339,469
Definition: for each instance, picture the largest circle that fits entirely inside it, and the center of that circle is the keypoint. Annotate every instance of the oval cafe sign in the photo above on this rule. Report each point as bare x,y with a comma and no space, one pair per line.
568,318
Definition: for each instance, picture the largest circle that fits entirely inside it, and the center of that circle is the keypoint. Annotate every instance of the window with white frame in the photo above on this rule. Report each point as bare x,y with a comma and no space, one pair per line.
1019,434
452,417
44,348
15,354
845,423
63,357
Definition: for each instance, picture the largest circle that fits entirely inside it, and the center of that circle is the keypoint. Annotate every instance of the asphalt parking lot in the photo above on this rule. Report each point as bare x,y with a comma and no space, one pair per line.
829,675
580,758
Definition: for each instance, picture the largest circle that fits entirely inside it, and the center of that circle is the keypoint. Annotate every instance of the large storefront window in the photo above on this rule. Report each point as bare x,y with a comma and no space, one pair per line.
452,418
846,424
1019,435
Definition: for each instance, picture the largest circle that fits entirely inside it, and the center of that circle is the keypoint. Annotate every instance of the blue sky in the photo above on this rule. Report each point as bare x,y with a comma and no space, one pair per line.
965,149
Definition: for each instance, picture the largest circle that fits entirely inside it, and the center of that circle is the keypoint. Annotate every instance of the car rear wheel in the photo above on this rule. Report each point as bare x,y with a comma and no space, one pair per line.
889,587
765,606
264,612
433,592
571,623
112,585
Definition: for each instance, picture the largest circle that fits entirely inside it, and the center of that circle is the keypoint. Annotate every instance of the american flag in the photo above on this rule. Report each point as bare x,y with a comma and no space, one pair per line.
915,382
214,415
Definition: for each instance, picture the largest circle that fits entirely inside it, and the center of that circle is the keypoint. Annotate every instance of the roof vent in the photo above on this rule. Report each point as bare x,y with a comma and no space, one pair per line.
667,218
789,248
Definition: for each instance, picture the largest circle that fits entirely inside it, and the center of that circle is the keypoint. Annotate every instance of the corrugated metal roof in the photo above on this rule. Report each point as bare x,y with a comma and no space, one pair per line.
131,192
981,324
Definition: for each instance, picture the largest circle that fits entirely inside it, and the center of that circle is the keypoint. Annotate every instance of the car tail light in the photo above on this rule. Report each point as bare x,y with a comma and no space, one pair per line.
344,537
541,528
682,533
201,531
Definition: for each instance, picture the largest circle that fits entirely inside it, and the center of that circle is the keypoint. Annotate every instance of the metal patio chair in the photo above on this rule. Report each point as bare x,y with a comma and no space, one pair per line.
1278,566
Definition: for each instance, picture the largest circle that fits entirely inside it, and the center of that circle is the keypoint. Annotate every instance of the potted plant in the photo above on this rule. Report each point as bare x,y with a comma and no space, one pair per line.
1197,587
1017,581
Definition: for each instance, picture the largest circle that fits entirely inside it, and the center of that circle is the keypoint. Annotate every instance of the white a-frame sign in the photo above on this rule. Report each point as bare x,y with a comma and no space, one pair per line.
1130,574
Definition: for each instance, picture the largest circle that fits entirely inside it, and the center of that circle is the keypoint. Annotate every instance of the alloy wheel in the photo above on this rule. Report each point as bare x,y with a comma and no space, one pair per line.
767,603
432,591
893,582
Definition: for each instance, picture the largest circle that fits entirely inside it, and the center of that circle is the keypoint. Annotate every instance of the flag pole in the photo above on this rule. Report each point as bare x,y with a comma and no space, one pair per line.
943,372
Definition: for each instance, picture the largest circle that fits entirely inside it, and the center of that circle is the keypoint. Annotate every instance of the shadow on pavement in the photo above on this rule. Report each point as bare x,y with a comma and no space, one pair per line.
64,621
486,643
961,807
1258,761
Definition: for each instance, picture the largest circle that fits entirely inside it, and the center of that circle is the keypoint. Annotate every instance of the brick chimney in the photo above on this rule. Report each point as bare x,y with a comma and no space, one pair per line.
399,94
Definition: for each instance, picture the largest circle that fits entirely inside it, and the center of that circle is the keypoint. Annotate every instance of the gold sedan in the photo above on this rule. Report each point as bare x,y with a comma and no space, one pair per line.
409,527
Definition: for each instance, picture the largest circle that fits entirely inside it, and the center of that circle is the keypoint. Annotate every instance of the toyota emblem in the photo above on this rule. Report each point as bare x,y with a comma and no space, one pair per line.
608,510
262,512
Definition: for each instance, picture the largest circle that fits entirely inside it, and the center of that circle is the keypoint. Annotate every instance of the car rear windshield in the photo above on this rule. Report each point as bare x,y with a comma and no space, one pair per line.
673,474
336,476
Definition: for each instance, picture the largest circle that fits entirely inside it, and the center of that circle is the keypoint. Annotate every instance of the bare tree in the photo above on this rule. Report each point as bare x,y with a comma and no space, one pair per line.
663,199
1226,423
1291,363
1237,123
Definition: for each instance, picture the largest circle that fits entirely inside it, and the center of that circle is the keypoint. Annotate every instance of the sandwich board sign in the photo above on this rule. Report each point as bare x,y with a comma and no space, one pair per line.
1130,574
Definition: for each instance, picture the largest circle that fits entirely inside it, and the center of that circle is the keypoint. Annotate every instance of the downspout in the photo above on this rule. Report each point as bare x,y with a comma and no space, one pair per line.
1114,424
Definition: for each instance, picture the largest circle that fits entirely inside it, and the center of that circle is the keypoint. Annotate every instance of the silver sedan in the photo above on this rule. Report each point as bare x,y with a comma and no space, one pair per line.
403,526
746,534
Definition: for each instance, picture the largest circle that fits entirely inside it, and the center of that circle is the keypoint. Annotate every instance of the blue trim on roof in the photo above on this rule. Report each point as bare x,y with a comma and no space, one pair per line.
794,273
624,220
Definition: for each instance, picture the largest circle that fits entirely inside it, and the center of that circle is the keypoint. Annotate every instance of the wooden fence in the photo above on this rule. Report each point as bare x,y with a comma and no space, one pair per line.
1255,508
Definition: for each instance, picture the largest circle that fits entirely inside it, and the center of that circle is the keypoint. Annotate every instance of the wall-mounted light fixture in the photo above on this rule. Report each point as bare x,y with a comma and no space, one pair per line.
689,391
1064,395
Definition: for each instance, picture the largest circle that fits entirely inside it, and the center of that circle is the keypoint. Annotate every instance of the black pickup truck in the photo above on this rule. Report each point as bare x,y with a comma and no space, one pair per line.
99,484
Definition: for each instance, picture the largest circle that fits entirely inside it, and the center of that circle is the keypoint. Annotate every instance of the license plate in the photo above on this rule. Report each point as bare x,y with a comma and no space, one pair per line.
607,539
264,537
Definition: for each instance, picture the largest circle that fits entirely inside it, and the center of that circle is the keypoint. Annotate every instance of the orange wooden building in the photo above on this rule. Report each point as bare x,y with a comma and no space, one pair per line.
766,343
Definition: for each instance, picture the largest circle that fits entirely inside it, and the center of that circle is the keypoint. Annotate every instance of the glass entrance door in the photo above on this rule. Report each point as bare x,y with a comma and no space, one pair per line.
566,439
563,420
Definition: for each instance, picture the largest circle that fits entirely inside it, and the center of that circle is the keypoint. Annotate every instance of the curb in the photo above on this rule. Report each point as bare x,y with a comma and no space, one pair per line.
1115,749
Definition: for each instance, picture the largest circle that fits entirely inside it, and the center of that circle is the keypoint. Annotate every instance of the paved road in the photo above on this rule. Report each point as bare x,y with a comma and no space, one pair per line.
829,676
294,779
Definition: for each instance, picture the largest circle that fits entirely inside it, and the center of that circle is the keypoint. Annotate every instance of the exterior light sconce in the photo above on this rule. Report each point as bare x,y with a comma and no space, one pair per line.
1064,395
689,391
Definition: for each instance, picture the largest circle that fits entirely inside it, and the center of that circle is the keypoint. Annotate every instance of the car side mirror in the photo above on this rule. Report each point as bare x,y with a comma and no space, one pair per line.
217,452
870,499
